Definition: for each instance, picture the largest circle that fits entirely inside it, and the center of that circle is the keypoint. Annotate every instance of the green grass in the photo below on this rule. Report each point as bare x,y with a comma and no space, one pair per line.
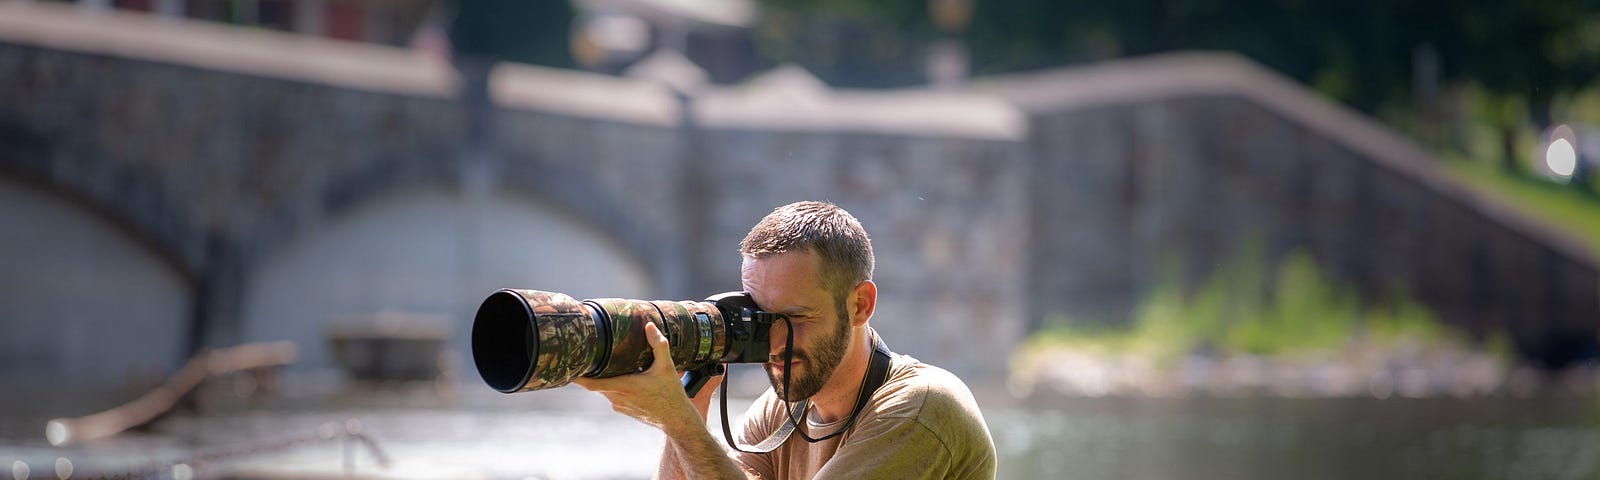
1241,309
1566,208
1474,159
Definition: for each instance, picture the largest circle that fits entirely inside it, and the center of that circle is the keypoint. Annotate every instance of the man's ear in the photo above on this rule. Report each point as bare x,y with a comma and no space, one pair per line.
863,300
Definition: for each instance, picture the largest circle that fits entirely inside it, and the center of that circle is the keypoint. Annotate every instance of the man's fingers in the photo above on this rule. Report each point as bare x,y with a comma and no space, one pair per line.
659,346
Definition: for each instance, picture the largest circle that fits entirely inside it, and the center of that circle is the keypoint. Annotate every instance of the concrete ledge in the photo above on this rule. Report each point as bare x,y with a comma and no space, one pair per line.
789,99
520,86
220,47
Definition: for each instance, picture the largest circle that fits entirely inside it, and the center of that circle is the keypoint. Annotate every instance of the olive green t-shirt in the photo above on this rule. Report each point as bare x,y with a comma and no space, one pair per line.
922,423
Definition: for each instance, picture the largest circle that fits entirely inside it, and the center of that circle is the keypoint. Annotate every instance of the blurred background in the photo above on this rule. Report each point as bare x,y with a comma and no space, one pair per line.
1159,238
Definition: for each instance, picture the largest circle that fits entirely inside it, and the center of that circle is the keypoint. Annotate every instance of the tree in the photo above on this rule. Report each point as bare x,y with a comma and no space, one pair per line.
1533,51
533,32
1358,51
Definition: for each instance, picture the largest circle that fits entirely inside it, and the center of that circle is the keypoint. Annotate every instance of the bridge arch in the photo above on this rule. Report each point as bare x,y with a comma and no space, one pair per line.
128,199
89,301
424,245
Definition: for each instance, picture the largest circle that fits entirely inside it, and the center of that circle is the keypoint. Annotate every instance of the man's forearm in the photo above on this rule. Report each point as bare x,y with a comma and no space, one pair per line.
696,458
691,451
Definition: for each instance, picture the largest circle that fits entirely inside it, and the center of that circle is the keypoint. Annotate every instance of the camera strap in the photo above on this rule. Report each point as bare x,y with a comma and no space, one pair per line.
877,374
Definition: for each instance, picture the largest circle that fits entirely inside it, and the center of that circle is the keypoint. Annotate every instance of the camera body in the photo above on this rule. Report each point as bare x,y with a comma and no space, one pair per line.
525,340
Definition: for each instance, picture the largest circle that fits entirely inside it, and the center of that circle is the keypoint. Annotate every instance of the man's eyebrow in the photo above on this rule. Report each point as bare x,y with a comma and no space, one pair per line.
796,310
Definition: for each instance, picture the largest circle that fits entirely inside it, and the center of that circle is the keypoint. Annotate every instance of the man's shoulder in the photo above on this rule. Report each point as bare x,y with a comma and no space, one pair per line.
930,399
924,392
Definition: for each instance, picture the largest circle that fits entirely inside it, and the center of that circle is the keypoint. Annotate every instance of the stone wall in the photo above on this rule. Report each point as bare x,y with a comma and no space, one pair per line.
1188,158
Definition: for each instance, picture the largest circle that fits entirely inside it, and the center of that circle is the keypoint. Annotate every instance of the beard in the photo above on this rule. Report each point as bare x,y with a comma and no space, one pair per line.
829,350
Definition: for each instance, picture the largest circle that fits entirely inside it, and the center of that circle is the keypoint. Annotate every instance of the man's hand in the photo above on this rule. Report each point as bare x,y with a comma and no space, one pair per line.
655,395
702,400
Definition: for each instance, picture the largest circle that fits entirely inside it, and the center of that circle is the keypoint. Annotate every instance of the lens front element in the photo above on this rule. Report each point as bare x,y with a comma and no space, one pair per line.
530,340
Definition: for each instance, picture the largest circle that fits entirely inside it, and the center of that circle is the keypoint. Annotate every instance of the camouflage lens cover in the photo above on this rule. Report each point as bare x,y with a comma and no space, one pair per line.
525,340
693,330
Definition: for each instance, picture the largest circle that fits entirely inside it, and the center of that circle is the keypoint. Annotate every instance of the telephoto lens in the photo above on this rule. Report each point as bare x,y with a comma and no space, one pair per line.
525,340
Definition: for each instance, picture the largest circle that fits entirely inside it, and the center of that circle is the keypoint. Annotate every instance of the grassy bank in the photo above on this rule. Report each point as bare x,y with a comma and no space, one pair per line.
1244,308
1568,209
1474,157
1251,328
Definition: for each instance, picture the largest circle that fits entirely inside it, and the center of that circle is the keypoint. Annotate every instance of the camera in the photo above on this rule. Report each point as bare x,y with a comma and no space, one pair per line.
525,340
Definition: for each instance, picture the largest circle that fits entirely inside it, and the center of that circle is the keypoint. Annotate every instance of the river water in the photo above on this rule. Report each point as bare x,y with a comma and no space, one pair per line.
1213,438
568,433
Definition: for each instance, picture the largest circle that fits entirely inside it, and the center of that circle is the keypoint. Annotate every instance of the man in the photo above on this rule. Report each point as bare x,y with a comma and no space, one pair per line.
812,262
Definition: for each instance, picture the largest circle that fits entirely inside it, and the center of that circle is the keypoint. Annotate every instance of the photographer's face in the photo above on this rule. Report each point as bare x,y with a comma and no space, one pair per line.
790,284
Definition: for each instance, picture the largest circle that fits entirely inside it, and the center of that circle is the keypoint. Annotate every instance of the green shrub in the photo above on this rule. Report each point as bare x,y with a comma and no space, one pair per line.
1240,309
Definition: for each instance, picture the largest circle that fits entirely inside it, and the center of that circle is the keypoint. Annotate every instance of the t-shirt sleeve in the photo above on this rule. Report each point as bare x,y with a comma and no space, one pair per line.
930,428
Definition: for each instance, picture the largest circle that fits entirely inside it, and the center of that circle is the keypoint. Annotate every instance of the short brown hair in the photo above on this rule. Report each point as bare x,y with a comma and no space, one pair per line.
841,245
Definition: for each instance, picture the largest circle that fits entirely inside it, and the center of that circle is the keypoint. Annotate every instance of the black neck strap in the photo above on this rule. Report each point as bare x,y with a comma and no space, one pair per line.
877,373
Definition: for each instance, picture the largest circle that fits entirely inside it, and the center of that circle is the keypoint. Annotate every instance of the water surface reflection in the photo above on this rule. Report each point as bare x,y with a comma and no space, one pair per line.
1212,438
569,433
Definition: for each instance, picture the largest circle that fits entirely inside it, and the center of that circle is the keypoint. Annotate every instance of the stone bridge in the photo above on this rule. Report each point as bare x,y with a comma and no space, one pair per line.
169,185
